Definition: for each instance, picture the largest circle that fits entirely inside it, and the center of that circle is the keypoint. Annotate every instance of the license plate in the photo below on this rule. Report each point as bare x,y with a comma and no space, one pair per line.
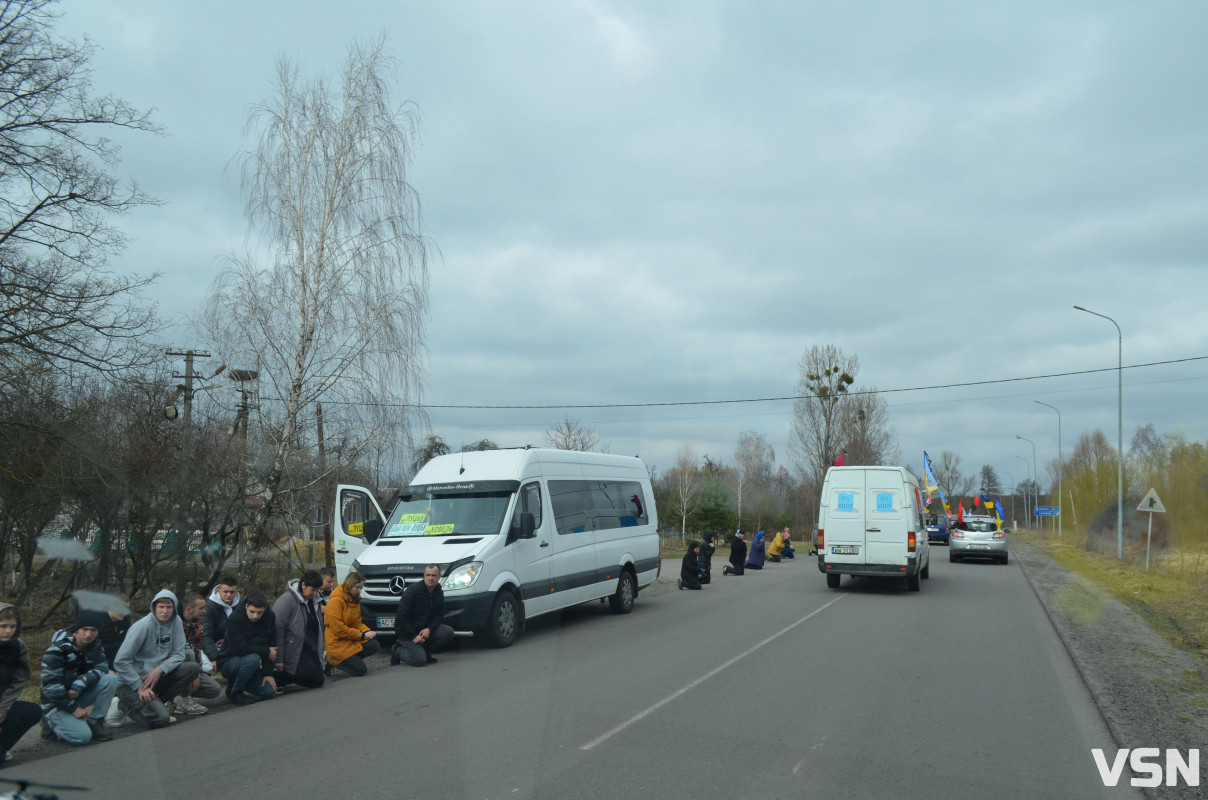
386,622
845,550
979,547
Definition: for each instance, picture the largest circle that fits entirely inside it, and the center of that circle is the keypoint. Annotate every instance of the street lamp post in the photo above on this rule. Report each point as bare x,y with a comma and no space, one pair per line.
1014,486
1035,475
1058,463
1119,432
1027,467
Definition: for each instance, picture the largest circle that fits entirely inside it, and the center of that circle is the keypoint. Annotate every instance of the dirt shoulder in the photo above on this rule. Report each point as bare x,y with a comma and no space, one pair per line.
1150,693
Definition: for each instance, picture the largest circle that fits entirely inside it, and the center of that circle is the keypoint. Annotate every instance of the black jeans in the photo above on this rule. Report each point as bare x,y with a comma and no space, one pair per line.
355,665
21,717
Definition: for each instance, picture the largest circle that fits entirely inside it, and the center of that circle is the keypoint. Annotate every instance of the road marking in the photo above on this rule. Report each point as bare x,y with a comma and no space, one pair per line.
684,690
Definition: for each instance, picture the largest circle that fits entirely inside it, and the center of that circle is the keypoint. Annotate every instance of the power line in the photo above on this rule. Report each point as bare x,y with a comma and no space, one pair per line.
761,399
802,397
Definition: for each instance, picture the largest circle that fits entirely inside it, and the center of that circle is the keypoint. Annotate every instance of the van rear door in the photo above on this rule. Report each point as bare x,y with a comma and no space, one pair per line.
844,531
886,517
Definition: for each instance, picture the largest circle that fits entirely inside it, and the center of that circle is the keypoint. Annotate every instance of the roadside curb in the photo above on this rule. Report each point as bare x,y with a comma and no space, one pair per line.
1150,693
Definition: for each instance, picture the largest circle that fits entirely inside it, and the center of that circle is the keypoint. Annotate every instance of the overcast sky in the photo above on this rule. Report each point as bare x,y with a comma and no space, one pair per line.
644,202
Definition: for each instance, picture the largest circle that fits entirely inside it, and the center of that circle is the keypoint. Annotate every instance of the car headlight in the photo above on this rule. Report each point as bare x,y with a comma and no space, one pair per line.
463,577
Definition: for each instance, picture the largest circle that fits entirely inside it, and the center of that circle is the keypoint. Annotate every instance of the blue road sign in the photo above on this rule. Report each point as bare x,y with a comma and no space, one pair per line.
1048,511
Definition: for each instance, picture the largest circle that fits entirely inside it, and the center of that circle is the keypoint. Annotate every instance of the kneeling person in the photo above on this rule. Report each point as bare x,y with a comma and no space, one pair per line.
251,635
417,625
77,686
151,665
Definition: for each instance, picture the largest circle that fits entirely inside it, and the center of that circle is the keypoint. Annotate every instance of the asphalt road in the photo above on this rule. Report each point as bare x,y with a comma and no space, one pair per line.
768,685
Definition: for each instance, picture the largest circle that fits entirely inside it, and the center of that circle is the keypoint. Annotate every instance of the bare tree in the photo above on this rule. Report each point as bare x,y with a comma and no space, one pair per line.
570,434
824,375
989,481
685,487
948,475
864,428
332,305
753,460
58,307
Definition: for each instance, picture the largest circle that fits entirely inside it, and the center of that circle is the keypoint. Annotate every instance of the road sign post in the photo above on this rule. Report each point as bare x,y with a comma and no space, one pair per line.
1151,504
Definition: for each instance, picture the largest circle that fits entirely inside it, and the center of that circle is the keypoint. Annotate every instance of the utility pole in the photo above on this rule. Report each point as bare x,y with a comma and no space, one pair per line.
184,495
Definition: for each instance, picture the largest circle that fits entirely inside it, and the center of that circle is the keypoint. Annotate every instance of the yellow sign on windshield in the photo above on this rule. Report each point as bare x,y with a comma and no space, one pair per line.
412,518
438,530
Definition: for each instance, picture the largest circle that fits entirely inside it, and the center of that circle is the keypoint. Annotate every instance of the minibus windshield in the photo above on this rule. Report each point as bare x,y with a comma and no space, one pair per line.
433,512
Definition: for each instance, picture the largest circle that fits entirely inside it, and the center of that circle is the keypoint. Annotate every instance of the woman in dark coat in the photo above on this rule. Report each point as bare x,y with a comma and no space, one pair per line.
705,558
738,555
690,571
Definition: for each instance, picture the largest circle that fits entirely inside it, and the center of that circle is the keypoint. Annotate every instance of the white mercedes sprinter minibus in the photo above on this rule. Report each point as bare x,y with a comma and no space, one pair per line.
870,522
516,533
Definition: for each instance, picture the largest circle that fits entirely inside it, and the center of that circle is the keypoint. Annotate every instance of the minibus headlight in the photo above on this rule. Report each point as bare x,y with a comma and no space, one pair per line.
463,577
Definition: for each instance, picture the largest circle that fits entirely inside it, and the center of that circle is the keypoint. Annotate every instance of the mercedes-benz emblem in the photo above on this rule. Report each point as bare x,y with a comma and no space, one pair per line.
397,584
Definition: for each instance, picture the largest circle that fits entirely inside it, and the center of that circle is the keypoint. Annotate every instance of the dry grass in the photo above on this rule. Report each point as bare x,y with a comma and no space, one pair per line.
1172,596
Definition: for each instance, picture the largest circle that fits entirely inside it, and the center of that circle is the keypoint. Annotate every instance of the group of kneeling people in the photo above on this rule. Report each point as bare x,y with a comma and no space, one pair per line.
698,561
104,668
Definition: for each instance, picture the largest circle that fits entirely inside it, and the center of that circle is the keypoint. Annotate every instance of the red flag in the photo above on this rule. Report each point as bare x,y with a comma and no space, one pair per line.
960,512
976,501
838,462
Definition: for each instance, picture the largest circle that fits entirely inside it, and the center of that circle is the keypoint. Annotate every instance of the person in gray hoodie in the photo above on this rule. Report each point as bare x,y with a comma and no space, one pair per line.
151,665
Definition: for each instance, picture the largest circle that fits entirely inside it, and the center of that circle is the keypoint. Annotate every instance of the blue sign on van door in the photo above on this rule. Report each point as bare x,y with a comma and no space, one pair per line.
885,502
846,501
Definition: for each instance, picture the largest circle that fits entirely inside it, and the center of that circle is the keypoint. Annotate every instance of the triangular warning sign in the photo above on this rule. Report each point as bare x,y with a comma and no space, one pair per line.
1151,503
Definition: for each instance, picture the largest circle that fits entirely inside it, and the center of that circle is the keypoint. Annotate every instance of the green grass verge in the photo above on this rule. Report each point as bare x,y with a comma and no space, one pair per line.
1172,596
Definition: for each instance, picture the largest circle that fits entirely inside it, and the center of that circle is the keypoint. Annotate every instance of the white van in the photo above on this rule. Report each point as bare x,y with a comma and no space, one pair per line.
516,533
870,522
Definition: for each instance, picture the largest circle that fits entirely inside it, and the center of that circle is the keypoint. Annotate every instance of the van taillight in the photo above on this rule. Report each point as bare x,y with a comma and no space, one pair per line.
910,542
820,545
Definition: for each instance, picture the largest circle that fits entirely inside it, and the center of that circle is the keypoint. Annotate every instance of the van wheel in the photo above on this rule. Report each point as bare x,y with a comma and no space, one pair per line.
832,579
621,601
504,622
912,582
926,572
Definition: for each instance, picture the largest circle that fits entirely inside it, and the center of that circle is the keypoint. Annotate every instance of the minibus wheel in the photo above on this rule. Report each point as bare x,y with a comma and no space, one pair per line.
621,601
832,579
504,622
912,582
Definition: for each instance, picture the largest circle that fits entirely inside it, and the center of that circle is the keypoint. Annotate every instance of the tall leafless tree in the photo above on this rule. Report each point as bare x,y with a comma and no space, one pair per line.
570,434
59,308
824,375
753,460
686,486
330,300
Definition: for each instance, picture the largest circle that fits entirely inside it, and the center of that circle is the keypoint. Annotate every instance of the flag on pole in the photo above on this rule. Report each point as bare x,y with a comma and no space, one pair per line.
838,462
932,483
998,513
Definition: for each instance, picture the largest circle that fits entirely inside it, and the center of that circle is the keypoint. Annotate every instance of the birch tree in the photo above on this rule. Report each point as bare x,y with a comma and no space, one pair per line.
685,487
331,296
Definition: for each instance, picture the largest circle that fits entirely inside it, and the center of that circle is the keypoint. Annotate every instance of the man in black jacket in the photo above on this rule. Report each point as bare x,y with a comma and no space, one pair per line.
251,639
417,626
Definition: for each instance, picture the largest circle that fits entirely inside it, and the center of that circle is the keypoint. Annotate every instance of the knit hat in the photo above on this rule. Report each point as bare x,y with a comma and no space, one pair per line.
89,619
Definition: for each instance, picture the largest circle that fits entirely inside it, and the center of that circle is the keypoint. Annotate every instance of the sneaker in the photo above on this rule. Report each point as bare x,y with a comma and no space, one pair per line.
48,735
431,659
171,719
187,705
116,716
394,658
327,668
99,734
679,583
170,706
244,699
